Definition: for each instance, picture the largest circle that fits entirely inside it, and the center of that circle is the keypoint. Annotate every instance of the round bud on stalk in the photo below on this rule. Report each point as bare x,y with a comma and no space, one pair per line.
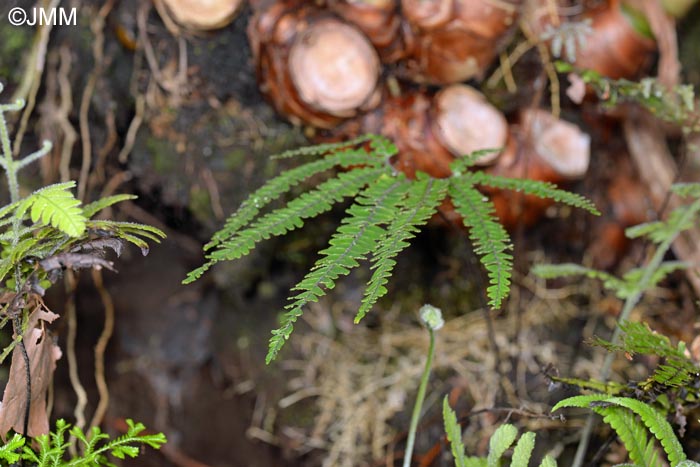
456,39
203,15
541,148
315,68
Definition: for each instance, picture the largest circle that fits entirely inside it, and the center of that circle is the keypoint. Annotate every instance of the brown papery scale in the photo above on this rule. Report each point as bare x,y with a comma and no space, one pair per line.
456,39
541,148
380,21
464,121
203,15
615,48
315,68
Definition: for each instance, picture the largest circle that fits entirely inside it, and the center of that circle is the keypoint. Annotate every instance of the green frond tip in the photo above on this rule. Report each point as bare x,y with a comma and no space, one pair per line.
55,205
536,188
500,441
490,240
454,433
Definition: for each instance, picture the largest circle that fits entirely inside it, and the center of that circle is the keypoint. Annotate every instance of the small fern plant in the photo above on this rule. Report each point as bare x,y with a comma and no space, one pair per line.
501,440
387,212
41,235
633,284
638,425
50,449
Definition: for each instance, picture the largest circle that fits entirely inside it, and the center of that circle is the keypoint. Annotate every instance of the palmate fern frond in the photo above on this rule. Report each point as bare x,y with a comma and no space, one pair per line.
490,240
421,202
356,237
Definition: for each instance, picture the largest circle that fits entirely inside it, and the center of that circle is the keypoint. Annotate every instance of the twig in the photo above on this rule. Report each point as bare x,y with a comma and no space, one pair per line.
79,412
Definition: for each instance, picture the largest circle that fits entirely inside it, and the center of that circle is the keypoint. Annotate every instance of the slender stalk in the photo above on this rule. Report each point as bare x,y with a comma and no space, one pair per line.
432,317
630,303
418,406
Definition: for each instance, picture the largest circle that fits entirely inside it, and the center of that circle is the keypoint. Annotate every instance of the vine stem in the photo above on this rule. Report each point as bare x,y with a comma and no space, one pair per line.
630,303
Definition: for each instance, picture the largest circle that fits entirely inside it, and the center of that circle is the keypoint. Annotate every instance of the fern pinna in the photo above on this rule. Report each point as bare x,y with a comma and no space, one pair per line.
388,210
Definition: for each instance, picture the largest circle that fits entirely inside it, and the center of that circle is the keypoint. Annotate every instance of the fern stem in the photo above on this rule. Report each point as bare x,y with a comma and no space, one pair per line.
418,406
630,303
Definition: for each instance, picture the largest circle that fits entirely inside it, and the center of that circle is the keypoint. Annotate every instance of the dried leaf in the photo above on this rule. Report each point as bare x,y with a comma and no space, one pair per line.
75,261
43,354
99,246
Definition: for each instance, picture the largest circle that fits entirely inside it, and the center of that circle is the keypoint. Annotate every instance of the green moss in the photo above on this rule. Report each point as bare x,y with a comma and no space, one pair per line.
163,155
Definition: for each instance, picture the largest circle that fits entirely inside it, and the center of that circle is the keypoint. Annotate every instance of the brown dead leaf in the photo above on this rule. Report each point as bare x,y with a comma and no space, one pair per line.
43,354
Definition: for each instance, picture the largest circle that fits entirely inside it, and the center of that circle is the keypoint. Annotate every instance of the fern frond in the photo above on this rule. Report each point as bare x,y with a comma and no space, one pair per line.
680,219
8,451
491,241
634,276
632,433
686,189
55,205
129,231
454,433
500,441
355,238
281,184
553,271
535,188
93,208
464,163
291,217
653,420
325,148
421,202
523,450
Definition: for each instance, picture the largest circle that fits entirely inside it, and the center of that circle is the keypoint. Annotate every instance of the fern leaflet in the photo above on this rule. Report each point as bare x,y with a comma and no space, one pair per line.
421,202
633,434
291,217
355,238
454,433
55,205
500,441
651,418
536,188
277,186
491,241
523,450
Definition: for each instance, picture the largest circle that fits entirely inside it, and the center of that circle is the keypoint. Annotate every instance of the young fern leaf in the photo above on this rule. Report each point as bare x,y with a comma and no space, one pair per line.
454,433
281,184
680,219
291,217
55,205
651,418
535,188
523,450
491,241
633,434
356,237
500,441
421,202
